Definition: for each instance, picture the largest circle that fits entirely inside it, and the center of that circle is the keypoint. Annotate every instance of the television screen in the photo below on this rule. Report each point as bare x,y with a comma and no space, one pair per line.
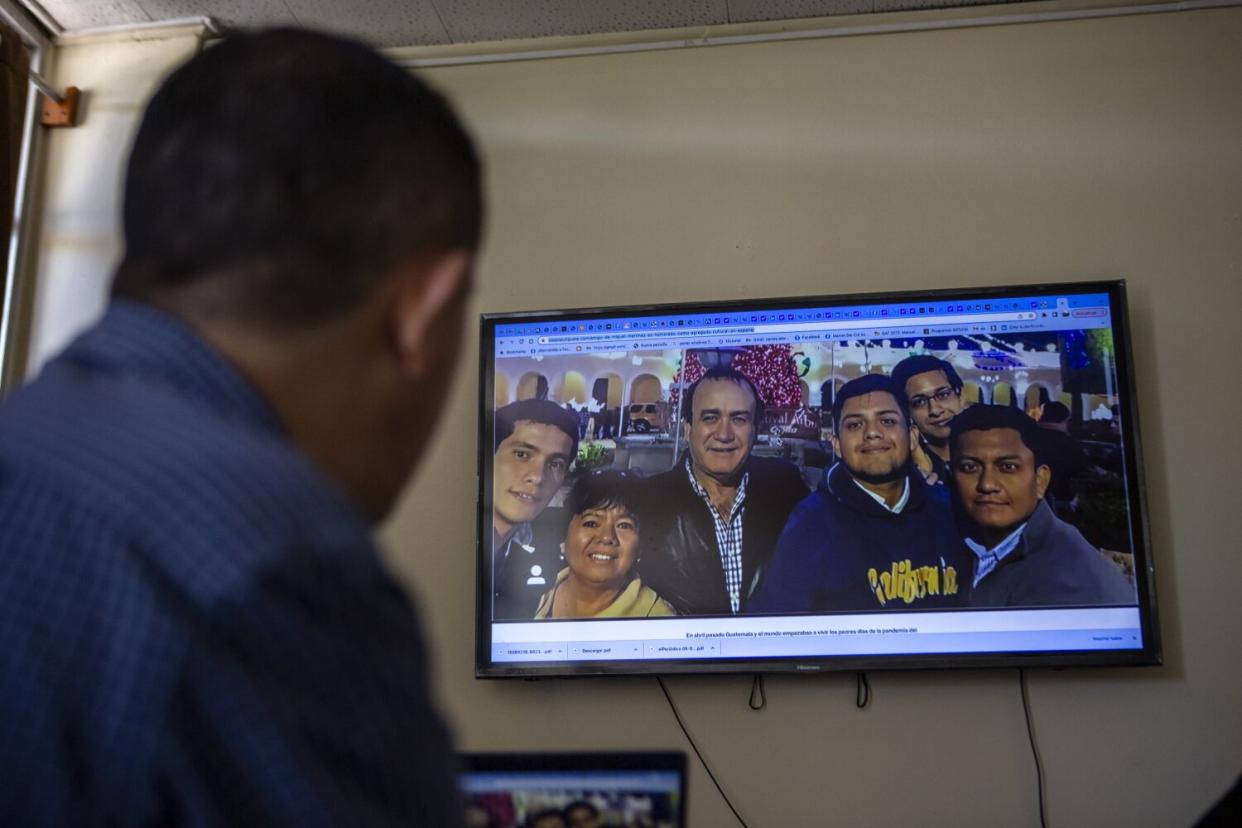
575,790
922,479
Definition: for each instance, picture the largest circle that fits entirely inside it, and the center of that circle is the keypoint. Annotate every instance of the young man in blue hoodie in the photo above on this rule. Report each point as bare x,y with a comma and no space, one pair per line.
874,536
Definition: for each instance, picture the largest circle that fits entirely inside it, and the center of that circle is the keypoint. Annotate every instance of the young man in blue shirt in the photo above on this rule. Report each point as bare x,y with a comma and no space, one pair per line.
1024,555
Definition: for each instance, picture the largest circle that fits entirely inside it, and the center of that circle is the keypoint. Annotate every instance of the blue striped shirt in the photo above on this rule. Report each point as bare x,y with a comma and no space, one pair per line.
195,626
988,559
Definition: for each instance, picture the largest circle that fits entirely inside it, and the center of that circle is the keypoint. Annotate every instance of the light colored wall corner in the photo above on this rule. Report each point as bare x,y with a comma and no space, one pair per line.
80,237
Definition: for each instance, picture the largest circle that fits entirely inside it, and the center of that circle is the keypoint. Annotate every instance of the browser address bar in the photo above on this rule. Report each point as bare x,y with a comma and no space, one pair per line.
788,327
890,322
661,333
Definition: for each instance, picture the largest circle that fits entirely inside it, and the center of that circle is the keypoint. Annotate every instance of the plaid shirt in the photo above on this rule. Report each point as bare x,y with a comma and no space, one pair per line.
195,627
728,535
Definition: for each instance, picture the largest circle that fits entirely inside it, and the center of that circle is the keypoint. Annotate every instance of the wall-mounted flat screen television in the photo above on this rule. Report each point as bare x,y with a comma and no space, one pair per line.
919,479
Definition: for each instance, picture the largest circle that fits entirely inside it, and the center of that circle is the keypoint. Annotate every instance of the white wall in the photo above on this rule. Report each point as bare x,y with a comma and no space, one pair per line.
1014,154
80,230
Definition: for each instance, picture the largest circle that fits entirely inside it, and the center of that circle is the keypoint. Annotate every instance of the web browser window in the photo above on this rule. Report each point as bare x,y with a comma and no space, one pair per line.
1056,354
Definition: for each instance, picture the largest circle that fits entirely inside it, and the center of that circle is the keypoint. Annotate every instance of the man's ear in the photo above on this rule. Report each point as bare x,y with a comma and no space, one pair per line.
425,290
914,438
836,447
1043,476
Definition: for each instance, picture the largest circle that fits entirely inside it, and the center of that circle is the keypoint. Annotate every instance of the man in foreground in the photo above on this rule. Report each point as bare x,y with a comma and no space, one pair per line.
1025,556
536,441
933,392
196,625
710,523
875,536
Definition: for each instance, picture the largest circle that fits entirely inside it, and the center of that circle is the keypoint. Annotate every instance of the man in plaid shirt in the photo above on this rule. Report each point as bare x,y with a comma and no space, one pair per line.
711,522
195,627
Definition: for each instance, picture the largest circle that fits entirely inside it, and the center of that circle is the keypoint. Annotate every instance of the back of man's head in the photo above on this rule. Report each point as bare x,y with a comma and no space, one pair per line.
284,173
1055,412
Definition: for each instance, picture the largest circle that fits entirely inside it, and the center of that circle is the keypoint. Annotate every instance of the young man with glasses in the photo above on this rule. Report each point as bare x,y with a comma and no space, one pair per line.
933,392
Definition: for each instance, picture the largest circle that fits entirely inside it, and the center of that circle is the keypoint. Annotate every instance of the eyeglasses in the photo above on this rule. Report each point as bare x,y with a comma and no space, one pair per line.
941,395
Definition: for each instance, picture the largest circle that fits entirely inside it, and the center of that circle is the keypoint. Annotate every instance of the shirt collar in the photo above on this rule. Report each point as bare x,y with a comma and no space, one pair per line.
989,559
738,499
896,507
137,338
523,535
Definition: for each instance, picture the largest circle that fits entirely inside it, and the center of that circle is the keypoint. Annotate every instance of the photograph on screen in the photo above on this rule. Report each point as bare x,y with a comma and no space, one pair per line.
865,461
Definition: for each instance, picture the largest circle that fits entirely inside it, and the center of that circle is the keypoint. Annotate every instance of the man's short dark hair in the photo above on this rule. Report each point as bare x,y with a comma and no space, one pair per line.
861,386
1055,412
578,804
535,817
984,417
545,412
720,373
912,366
294,170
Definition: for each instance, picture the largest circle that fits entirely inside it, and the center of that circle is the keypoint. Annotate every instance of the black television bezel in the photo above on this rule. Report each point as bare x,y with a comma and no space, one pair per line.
1151,653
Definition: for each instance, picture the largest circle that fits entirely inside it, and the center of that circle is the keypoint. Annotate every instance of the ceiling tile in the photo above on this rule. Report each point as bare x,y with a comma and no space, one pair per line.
751,11
475,20
243,13
378,22
74,14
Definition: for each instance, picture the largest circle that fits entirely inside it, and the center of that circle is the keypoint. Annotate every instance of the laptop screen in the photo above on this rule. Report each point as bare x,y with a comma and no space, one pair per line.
578,790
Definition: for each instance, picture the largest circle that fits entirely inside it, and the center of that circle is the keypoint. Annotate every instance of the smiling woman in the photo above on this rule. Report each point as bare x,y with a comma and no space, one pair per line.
601,549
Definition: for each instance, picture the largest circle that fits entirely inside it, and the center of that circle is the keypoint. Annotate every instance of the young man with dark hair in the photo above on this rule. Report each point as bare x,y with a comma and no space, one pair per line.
933,394
710,523
197,625
875,536
1024,555
536,442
